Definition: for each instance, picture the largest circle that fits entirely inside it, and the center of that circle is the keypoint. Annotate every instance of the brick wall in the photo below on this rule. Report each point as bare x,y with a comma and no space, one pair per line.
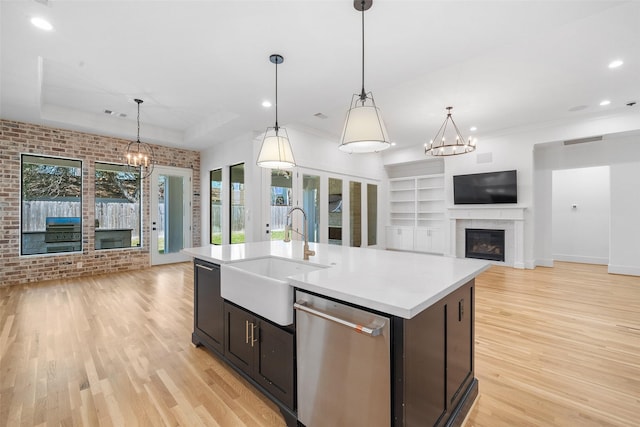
20,138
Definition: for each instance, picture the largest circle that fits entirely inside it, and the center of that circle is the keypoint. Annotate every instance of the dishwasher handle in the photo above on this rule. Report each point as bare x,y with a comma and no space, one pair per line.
371,331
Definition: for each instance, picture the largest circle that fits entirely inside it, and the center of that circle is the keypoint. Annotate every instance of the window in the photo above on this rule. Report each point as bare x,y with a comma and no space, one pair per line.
51,205
117,215
237,203
215,177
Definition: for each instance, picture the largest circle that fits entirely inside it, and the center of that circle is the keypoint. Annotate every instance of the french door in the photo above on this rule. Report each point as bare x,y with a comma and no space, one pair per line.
171,214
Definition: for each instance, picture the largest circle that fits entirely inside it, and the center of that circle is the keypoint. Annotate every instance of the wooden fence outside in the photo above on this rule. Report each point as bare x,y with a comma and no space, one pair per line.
109,215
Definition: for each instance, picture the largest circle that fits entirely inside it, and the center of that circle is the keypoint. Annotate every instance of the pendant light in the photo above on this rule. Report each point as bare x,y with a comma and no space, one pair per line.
452,145
276,152
364,130
140,154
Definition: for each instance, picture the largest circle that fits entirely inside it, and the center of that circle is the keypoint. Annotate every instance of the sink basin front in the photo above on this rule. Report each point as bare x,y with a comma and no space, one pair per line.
261,285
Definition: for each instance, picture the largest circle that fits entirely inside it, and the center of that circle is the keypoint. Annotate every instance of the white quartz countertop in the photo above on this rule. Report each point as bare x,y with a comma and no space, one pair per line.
397,283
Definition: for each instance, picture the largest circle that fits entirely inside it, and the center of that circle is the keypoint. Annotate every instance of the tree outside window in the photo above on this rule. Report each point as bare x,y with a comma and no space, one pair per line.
117,207
51,220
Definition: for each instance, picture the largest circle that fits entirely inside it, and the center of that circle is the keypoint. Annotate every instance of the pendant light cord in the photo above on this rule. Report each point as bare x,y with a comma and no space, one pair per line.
363,95
276,97
138,121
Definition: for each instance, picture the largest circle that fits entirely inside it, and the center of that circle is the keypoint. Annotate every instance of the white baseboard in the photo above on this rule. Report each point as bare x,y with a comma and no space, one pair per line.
544,262
581,259
624,269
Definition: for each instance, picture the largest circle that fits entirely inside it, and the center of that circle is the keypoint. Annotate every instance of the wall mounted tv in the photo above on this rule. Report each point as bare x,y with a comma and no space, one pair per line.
485,188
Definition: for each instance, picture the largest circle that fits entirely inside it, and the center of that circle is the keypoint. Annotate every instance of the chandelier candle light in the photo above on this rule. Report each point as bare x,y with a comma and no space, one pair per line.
364,131
276,152
456,144
140,154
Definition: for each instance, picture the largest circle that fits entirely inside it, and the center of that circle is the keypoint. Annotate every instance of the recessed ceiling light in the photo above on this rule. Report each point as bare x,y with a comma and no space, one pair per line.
393,144
42,23
473,128
616,63
605,102
115,113
266,104
578,108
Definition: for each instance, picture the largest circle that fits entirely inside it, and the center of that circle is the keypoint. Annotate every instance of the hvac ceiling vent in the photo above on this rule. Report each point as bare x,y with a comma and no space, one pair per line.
583,140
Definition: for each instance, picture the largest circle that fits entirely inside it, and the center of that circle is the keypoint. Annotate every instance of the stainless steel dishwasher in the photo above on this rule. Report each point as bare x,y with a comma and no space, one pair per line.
344,364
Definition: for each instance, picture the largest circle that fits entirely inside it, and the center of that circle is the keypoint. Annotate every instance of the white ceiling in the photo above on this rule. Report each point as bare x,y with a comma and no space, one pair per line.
203,70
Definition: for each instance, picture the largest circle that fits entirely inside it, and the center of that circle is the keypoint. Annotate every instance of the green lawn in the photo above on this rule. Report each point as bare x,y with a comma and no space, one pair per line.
238,237
277,235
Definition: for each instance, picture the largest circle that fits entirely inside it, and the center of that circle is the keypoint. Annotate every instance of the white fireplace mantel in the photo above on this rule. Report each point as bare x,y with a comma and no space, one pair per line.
508,218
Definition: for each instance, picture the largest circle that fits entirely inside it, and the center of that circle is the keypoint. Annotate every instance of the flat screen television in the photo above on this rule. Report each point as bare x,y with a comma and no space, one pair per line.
485,188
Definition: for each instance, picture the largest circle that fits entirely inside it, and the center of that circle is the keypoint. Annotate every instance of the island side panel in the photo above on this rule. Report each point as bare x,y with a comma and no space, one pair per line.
434,382
208,327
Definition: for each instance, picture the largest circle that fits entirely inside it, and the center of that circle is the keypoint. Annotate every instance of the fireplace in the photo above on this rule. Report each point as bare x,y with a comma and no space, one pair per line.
484,244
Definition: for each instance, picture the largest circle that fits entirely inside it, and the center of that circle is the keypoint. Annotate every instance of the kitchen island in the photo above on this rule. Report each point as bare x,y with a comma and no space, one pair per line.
427,301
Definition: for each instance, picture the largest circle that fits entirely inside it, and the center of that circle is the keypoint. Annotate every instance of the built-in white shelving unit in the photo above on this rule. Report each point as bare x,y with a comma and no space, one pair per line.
416,213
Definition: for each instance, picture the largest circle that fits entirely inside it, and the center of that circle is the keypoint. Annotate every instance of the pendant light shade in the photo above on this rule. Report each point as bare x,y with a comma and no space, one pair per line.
364,131
276,152
448,141
140,154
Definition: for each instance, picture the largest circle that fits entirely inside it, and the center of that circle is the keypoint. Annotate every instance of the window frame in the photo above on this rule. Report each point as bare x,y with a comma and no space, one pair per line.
22,200
140,205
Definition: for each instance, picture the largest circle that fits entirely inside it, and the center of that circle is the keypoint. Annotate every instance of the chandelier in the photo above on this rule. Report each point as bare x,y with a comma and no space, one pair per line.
140,154
451,145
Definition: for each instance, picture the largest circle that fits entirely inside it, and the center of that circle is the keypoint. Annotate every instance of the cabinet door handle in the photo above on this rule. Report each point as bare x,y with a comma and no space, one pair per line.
246,332
253,340
204,266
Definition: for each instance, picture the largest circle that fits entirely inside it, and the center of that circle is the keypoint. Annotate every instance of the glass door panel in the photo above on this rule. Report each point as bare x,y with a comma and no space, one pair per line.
281,201
335,211
237,204
372,214
355,213
215,177
311,205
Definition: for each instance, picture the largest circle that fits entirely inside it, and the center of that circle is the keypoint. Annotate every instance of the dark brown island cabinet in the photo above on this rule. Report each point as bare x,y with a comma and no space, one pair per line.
432,372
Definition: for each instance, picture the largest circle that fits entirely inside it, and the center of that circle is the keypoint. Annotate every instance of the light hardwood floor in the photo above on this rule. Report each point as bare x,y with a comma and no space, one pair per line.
554,347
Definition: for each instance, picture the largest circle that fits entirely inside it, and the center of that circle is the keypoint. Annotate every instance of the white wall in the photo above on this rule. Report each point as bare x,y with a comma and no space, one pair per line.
621,152
312,151
624,256
580,212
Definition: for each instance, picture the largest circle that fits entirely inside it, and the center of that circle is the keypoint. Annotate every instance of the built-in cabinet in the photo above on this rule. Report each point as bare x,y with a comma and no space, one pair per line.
262,350
416,214
208,306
